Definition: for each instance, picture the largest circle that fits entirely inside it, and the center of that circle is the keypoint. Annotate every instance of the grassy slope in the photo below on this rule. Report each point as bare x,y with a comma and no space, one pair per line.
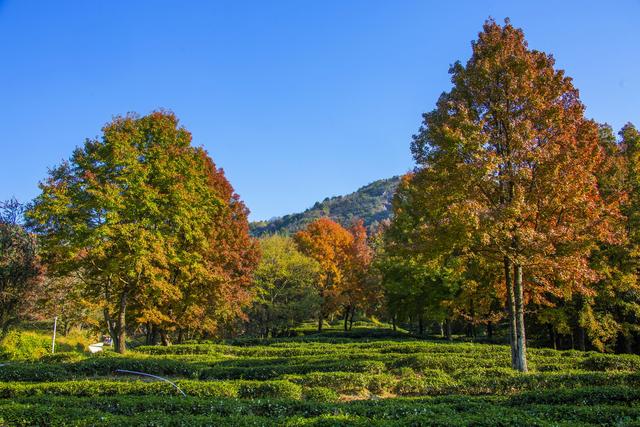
371,378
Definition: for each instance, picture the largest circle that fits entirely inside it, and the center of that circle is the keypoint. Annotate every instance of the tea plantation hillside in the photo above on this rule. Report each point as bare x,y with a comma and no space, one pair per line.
363,378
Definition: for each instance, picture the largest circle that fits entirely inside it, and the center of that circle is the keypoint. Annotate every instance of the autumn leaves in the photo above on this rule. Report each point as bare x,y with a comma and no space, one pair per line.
150,227
507,180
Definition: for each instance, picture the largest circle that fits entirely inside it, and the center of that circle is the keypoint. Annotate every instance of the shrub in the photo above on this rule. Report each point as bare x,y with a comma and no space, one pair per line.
262,389
24,345
410,385
320,394
606,362
67,357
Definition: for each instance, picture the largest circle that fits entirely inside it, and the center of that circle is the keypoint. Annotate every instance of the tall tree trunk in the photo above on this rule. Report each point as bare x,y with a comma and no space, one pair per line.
164,338
490,330
472,326
552,337
120,329
111,327
393,322
420,325
320,310
520,331
511,309
628,343
346,317
154,334
180,335
353,312
573,343
447,329
147,339
582,341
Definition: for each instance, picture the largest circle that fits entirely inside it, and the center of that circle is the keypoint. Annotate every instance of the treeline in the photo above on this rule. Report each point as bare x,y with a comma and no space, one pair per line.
519,211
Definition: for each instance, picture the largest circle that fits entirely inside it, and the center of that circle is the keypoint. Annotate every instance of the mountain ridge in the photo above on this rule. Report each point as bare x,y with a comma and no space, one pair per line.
371,203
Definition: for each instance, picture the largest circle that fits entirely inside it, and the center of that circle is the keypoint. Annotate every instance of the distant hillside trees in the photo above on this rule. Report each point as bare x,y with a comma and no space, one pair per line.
371,204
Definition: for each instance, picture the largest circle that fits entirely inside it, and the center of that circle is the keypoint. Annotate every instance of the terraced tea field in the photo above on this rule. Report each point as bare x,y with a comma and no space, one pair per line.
369,379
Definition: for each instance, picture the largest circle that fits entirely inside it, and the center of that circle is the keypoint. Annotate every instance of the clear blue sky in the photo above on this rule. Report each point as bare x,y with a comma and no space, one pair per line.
296,100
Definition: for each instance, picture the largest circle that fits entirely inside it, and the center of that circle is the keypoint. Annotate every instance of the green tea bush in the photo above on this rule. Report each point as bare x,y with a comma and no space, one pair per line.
320,394
608,362
33,372
227,389
329,379
346,382
179,349
67,356
264,389
410,385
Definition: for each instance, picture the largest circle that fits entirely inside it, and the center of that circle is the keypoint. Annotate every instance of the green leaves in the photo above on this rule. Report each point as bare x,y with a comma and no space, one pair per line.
137,214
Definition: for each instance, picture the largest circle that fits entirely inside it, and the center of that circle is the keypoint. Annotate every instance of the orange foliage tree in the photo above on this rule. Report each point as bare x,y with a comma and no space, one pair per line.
329,244
507,164
360,288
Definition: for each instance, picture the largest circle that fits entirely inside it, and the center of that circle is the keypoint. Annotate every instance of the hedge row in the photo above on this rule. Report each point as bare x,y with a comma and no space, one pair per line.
450,410
264,368
235,389
402,383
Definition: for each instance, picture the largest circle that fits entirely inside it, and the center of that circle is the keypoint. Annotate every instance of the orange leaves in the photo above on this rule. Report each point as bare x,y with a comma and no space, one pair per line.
510,162
328,243
344,257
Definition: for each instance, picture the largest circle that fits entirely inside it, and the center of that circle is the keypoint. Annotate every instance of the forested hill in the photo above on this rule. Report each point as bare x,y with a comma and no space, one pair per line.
372,203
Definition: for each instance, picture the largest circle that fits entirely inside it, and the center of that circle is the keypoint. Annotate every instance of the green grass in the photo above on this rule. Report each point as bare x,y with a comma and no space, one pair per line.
372,377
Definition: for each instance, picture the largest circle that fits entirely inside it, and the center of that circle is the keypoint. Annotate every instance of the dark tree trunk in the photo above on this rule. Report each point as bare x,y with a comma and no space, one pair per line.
346,317
154,334
582,341
573,343
628,343
471,330
447,329
180,336
552,337
472,326
164,338
393,322
120,335
420,325
147,339
490,330
353,312
320,320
